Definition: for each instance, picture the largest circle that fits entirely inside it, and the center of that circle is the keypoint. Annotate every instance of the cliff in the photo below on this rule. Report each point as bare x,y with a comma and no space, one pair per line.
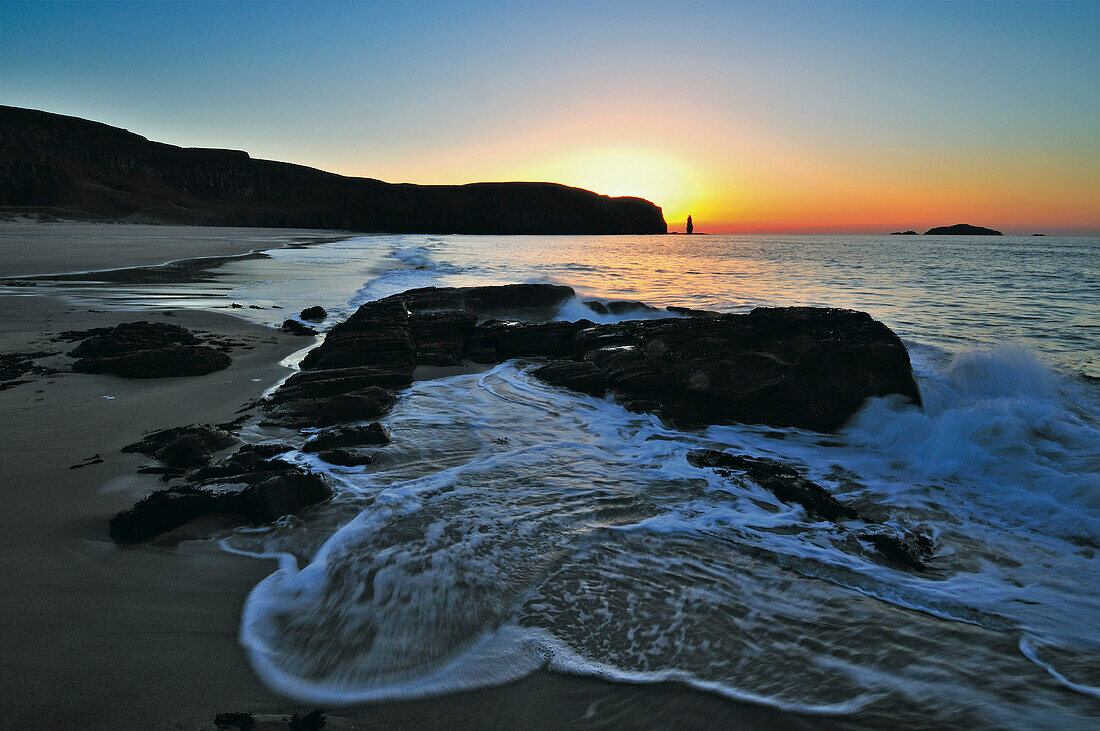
73,168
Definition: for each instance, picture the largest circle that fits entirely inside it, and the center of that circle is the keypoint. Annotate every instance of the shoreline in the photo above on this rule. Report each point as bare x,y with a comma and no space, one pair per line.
125,246
101,636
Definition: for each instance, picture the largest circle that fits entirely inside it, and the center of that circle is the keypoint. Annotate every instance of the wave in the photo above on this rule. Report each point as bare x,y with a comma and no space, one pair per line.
1018,438
513,526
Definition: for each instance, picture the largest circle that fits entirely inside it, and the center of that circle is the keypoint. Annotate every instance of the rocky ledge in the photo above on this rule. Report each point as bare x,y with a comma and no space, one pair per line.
794,366
791,366
144,350
250,485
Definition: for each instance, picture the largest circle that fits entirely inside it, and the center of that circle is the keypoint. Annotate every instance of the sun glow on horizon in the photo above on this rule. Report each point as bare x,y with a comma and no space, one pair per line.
662,177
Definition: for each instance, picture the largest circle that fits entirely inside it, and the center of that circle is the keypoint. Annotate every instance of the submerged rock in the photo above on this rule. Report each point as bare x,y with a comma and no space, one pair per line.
689,312
784,482
372,434
909,553
347,457
625,307
596,306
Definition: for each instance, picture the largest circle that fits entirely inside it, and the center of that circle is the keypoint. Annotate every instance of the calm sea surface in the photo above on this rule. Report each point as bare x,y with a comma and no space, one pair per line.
513,526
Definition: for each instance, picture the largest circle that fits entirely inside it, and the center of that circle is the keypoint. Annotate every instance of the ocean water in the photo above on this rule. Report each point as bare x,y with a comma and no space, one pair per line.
513,526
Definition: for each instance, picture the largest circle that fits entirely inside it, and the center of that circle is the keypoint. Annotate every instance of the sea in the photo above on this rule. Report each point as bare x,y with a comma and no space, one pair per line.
512,526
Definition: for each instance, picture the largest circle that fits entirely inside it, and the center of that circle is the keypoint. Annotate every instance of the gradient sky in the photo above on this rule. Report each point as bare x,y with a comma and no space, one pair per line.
785,117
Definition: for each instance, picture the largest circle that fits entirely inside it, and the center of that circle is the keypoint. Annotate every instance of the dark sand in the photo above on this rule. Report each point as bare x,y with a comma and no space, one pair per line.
97,636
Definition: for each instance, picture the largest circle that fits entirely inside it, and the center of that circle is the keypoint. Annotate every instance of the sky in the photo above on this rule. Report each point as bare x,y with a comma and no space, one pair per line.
752,117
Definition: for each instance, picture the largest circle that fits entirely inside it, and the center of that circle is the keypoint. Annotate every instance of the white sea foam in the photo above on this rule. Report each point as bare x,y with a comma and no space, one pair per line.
512,526
587,541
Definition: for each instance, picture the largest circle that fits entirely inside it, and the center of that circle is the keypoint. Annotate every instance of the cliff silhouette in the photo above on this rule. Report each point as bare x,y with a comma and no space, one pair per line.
72,168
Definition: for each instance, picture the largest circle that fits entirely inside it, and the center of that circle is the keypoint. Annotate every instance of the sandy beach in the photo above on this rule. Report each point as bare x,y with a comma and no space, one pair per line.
100,636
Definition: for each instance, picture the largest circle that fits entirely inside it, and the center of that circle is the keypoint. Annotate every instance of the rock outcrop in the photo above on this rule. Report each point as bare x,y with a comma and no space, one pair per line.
73,168
314,314
900,549
962,229
803,367
145,350
184,446
248,485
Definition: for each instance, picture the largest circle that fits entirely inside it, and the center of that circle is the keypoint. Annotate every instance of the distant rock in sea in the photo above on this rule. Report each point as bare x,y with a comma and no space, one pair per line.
962,229
54,166
903,233
1038,234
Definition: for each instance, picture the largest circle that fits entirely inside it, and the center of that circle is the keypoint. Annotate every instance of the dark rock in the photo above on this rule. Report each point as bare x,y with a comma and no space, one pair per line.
361,405
312,721
641,406
689,312
335,381
346,457
804,367
373,434
251,464
129,337
1038,234
596,306
296,328
908,553
242,721
495,341
288,493
624,307
577,375
164,471
13,366
903,233
259,496
168,509
961,229
176,360
784,482
383,346
440,337
314,314
184,446
523,301
145,350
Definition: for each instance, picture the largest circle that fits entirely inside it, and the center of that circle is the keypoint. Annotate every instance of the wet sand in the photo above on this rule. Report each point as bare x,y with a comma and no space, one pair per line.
29,249
98,636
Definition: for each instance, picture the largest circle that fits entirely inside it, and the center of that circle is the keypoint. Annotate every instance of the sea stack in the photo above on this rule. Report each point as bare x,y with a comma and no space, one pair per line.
690,227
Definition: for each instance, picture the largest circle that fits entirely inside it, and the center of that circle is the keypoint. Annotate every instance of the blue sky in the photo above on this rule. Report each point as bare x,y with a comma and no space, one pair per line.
754,113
